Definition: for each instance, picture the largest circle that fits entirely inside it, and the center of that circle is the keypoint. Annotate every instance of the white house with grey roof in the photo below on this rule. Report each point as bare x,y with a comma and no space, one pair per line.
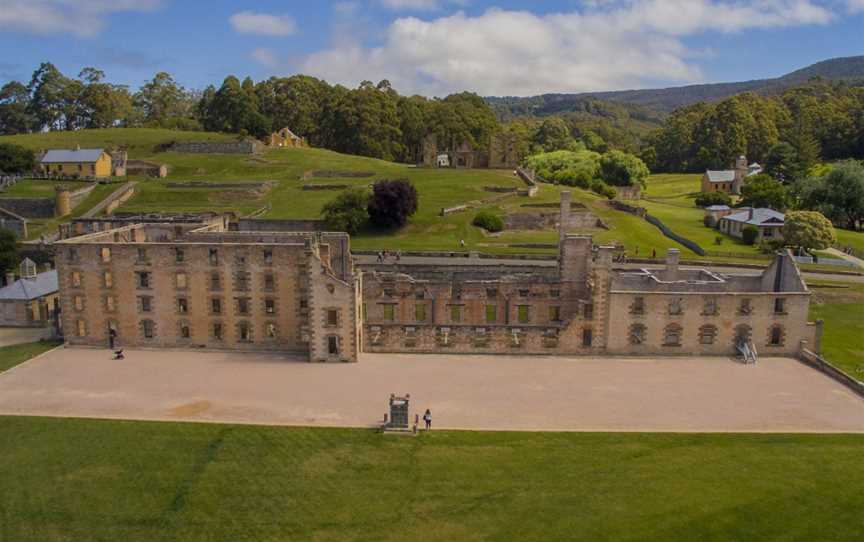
30,301
768,221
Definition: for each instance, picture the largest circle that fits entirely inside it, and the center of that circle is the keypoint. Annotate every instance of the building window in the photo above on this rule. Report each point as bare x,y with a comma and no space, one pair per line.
555,313
779,306
456,313
215,281
491,293
389,312
243,305
148,329
638,306
491,314
269,282
710,307
143,279
105,254
241,281
524,293
181,281
333,345
72,255
216,305
110,304
185,332
214,256
240,259
304,303
179,255
109,279
76,279
269,306
676,306
363,312
775,336
217,331
271,330
587,337
555,293
523,313
707,334
79,303
268,257
420,312
145,303
245,332
637,334
182,305
744,307
142,255
672,335
588,311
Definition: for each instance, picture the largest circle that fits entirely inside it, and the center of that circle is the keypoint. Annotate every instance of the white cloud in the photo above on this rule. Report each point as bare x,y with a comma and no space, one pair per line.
612,45
855,5
265,57
249,22
420,5
79,17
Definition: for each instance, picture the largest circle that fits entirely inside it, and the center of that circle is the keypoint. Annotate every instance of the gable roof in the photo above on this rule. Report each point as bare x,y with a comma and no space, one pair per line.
761,217
723,176
30,289
56,156
717,208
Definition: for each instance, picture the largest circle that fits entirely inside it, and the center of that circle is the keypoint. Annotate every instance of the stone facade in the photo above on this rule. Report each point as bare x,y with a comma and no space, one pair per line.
247,146
182,285
215,285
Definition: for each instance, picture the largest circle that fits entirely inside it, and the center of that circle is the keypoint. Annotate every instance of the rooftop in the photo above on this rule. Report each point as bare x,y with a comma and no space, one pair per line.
28,289
723,176
759,217
56,156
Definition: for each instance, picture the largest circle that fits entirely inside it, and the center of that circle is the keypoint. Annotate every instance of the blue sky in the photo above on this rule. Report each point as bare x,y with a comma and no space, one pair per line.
432,46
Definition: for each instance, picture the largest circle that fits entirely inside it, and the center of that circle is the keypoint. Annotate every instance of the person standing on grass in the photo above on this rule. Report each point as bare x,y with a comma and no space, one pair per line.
654,254
462,243
428,419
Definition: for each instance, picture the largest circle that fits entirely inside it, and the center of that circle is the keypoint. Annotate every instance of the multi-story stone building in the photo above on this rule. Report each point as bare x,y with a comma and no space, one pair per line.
204,285
199,286
584,306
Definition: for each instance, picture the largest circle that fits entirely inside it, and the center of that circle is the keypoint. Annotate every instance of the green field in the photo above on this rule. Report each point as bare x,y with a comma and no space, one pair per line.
111,480
842,309
10,356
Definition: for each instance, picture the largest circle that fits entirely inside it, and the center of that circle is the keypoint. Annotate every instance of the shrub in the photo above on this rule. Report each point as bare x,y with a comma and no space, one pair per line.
392,203
347,212
749,234
718,240
16,159
709,221
809,230
707,199
599,187
488,221
771,246
619,168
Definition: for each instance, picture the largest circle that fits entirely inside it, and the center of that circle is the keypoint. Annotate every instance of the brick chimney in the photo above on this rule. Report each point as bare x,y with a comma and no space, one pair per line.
751,213
673,257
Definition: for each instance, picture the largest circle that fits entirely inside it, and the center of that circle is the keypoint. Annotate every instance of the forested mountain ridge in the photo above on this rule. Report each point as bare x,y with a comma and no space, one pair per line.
653,103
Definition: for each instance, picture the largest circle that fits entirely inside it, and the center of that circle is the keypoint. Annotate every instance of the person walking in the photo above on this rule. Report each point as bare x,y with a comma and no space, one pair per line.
654,254
462,243
428,419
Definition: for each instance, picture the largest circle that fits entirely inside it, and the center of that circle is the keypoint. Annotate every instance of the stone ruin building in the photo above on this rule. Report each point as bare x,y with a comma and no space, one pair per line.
502,153
219,285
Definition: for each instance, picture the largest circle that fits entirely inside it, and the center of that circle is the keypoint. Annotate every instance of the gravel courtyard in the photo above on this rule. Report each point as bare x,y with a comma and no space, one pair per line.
463,392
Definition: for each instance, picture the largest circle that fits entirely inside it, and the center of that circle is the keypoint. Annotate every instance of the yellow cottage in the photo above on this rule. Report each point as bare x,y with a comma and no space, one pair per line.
77,163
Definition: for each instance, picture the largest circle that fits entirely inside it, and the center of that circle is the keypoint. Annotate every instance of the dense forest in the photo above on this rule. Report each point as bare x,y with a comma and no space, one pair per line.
819,120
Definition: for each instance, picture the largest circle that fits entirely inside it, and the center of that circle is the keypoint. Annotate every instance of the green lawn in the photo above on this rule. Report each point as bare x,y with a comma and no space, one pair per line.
112,480
843,312
10,356
854,239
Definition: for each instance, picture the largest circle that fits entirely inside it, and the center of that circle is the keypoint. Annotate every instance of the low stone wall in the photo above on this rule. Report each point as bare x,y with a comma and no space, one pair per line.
78,196
527,175
113,201
144,168
263,224
325,186
211,186
501,189
30,207
445,211
628,192
337,174
821,364
628,208
248,146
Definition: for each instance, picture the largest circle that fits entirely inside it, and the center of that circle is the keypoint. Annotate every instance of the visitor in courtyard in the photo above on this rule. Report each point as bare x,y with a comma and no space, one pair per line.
654,254
428,419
